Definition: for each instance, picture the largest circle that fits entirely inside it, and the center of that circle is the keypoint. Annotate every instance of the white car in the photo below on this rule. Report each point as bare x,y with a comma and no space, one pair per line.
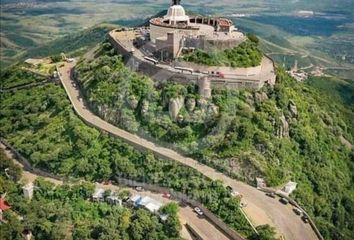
198,211
243,204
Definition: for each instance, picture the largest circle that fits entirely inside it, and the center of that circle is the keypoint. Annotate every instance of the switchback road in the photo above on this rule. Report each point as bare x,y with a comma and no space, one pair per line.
260,208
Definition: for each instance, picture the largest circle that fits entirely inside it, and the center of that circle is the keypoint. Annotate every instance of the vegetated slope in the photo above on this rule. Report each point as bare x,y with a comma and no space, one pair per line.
65,212
289,131
340,89
15,76
40,123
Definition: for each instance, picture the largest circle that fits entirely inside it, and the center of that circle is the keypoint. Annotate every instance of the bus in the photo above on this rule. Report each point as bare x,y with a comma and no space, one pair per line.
154,61
182,69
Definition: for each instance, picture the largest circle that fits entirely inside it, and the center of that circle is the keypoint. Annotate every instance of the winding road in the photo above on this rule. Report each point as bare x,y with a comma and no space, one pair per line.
202,226
260,208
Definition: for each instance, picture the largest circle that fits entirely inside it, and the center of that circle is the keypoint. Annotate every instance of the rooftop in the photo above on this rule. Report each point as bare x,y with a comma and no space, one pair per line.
176,13
4,205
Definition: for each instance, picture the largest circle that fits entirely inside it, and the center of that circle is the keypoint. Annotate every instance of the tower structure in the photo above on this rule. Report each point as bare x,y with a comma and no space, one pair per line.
176,2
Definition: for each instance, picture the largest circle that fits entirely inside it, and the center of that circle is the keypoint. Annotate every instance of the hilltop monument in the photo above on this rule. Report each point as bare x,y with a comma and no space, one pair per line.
176,2
157,50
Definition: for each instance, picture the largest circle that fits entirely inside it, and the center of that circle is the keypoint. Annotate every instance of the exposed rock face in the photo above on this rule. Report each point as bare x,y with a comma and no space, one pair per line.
204,87
260,97
293,108
190,104
250,99
203,104
346,143
213,109
145,108
132,102
283,128
175,106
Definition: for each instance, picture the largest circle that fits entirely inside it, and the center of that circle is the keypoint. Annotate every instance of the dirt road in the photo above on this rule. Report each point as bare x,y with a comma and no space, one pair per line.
260,209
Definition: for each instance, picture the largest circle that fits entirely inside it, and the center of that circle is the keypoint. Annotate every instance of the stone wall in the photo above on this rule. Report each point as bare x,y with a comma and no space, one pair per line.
158,73
161,31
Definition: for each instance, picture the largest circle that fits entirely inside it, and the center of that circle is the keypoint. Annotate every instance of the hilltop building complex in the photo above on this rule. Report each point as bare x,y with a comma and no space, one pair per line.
156,50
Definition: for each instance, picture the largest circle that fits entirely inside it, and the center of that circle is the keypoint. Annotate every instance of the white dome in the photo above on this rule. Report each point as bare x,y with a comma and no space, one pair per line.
175,14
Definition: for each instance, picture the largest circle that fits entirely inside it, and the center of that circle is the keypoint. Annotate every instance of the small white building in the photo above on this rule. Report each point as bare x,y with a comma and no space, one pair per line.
134,200
28,190
98,195
148,203
289,187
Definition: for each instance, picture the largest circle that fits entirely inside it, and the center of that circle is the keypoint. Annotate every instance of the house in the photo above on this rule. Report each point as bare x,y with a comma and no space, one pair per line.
289,187
134,200
150,204
28,190
114,200
98,195
4,205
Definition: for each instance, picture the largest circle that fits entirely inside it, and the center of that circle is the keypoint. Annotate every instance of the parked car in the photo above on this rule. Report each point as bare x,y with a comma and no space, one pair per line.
198,211
297,211
243,204
108,182
305,218
229,188
217,74
183,204
166,195
139,188
271,194
284,201
236,194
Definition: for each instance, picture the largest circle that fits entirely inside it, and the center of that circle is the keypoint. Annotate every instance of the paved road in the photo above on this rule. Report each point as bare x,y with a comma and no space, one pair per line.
186,214
260,209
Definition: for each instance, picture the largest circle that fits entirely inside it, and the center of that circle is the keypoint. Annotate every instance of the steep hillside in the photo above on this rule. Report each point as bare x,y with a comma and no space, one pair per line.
40,123
287,132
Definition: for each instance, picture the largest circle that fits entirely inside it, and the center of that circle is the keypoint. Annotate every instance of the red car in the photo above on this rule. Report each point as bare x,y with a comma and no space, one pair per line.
109,182
166,195
217,74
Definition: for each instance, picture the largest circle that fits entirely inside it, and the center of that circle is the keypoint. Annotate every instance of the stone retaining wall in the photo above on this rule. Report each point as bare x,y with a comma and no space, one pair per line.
161,74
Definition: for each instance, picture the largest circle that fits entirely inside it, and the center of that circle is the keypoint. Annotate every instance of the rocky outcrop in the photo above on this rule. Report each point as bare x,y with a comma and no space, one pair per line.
144,108
190,104
213,110
260,97
346,143
203,104
283,128
175,105
249,99
293,108
132,102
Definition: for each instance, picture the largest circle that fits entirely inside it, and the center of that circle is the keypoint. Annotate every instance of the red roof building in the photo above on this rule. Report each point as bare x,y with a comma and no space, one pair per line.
4,205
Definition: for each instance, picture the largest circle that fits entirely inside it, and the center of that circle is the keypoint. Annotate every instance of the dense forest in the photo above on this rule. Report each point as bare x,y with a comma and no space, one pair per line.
247,54
290,131
41,124
65,212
